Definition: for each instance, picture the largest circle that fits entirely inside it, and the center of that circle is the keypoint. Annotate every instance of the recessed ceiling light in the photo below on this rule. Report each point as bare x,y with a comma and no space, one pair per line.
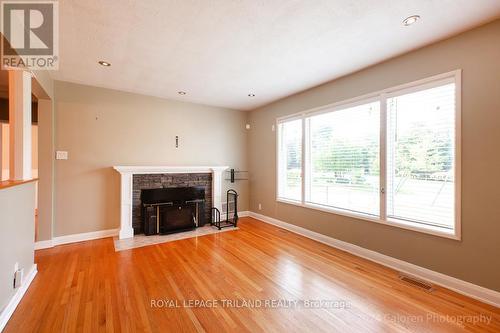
251,95
181,92
410,20
104,63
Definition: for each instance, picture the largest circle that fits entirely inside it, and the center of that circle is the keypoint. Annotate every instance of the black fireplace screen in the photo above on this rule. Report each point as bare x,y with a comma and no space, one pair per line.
168,210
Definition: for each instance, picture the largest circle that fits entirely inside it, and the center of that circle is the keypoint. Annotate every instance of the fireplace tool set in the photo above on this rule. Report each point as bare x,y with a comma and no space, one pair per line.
231,212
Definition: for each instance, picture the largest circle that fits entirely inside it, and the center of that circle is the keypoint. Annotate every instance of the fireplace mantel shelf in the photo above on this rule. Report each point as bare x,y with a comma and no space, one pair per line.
168,169
127,172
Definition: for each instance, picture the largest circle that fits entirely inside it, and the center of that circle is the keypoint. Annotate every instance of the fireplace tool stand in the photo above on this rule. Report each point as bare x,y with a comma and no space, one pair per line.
231,212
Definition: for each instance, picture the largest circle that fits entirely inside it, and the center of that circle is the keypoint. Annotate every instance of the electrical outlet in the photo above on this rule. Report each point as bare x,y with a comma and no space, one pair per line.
18,276
272,128
260,206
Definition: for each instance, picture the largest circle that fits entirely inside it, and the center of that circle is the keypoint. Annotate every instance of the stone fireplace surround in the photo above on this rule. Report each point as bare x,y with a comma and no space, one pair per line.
127,191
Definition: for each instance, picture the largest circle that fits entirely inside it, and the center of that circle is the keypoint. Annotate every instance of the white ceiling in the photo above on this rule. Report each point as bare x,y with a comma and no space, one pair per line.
219,51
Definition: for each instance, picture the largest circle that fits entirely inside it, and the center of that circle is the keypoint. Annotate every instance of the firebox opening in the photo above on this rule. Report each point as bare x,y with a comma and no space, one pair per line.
168,210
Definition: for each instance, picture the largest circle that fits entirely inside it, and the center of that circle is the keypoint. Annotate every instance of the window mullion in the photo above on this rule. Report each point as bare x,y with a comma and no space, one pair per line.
304,160
383,156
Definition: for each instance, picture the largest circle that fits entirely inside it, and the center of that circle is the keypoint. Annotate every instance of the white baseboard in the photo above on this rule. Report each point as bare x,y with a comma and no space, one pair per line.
482,294
16,299
45,244
243,213
74,238
92,235
84,236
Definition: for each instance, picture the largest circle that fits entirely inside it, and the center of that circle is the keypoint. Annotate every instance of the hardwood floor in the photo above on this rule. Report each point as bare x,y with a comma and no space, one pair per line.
89,287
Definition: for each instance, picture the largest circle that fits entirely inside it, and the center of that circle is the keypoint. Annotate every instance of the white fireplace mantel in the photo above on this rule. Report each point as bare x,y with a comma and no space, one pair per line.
127,172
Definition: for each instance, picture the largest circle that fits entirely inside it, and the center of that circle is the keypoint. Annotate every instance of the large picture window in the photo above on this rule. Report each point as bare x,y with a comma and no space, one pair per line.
392,157
344,164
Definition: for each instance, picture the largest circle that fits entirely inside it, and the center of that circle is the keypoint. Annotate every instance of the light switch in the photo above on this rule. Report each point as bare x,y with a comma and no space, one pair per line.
61,155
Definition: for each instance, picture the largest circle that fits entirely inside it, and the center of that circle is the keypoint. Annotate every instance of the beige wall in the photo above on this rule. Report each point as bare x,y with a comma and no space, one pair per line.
5,150
34,150
45,169
17,229
42,87
475,258
101,128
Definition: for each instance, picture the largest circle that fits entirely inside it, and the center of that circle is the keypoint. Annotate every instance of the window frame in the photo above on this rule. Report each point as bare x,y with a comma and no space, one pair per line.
381,96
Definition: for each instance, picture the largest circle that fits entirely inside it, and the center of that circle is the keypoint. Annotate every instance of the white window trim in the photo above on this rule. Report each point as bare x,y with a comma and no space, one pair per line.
381,96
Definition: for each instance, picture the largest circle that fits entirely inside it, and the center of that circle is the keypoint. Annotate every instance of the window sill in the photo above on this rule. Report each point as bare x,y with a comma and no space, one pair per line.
431,230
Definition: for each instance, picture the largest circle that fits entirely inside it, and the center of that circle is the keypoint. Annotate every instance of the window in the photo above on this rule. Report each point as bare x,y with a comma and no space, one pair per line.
344,164
391,157
421,149
290,160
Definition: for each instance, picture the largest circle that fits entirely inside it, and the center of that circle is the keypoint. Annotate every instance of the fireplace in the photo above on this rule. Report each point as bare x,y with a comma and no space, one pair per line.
168,210
129,195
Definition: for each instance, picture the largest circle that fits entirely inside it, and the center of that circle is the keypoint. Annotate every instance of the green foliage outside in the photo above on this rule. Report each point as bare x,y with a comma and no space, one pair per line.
421,154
